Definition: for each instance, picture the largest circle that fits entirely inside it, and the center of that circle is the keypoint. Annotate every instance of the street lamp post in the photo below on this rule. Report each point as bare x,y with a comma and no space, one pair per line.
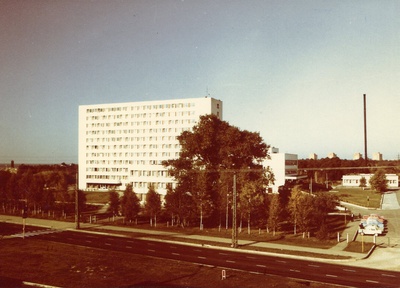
227,210
77,212
201,215
234,224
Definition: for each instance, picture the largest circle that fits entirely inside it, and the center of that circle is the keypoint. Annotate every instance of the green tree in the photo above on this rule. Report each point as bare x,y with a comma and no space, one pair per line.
363,182
323,204
114,203
47,200
13,191
301,210
211,149
378,181
81,201
4,179
252,198
180,205
36,191
130,204
152,205
274,213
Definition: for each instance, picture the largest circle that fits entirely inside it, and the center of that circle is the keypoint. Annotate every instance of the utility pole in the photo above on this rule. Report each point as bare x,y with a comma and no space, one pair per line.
227,209
77,226
234,222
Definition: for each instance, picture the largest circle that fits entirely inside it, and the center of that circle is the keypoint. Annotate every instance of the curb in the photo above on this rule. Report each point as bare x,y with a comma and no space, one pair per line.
209,246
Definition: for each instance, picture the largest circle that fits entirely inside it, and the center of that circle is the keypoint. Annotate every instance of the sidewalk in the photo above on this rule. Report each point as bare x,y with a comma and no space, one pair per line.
244,245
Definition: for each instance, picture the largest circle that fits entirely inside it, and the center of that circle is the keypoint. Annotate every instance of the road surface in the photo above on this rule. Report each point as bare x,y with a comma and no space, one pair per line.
231,259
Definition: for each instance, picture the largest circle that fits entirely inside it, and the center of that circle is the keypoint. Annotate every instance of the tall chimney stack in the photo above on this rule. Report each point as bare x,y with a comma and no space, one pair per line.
365,130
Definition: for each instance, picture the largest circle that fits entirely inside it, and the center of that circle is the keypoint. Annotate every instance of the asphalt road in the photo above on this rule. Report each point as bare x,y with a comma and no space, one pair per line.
227,258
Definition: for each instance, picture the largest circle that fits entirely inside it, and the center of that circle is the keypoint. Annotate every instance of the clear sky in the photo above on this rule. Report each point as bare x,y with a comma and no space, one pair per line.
295,71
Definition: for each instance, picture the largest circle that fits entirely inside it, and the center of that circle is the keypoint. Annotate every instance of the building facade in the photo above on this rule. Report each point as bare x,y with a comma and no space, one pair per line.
313,156
354,180
331,155
284,166
125,143
377,156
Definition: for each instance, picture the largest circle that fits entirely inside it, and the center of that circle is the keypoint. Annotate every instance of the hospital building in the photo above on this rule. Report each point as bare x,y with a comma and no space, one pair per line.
126,143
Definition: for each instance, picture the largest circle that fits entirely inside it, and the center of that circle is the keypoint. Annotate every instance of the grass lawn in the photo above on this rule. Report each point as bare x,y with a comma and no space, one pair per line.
284,236
367,198
97,197
66,265
358,247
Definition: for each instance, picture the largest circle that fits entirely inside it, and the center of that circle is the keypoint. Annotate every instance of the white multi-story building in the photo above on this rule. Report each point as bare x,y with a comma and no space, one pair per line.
125,143
283,165
332,155
313,156
377,156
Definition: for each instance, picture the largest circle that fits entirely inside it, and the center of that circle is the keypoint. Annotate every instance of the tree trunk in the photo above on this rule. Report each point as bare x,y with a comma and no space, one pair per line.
248,224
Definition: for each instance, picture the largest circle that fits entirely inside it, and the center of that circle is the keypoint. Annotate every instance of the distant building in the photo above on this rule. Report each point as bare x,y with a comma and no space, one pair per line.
313,156
357,156
354,180
377,156
284,166
332,155
125,143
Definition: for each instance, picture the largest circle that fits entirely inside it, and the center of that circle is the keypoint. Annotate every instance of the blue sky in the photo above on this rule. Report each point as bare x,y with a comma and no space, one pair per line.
295,71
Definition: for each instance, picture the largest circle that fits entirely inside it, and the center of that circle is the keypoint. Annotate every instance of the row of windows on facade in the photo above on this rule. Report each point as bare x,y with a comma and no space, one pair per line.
140,107
174,131
135,147
130,139
356,181
136,131
135,173
123,162
107,177
156,185
141,123
140,115
132,154
130,131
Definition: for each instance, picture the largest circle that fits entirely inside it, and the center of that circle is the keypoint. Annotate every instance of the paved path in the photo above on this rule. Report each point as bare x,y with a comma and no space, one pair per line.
390,201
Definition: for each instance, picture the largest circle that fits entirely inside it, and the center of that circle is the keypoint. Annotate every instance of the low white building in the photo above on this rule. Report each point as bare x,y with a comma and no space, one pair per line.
284,166
354,180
